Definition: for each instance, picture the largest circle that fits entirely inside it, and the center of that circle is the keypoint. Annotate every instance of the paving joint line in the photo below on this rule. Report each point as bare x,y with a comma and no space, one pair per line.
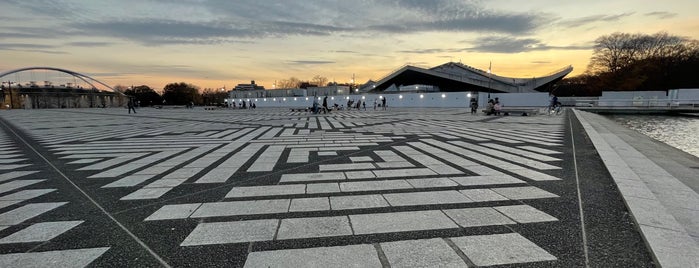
459,252
580,205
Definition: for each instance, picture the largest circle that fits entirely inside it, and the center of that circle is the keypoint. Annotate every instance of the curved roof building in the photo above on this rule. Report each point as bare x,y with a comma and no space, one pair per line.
454,76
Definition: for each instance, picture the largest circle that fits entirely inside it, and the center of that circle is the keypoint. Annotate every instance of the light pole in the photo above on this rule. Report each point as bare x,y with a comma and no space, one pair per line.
9,88
489,77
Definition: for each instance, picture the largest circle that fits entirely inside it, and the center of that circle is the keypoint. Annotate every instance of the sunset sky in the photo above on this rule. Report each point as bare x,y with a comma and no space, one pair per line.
219,43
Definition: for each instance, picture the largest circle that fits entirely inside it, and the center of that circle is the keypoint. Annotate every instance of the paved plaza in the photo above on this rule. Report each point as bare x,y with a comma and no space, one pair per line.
275,188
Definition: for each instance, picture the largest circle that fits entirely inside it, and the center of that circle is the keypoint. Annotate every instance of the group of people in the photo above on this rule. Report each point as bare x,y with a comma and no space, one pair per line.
358,105
244,105
494,107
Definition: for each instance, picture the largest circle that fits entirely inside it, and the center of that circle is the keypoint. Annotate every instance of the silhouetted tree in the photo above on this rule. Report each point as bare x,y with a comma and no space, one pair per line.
319,80
623,61
212,96
181,93
292,82
145,95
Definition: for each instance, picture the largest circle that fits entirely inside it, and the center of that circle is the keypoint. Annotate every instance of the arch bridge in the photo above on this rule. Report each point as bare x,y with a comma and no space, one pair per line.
69,95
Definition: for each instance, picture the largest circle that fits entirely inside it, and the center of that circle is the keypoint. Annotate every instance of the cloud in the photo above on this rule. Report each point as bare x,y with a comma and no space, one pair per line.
38,48
310,62
661,14
577,22
541,62
89,44
498,23
434,50
225,21
156,31
505,44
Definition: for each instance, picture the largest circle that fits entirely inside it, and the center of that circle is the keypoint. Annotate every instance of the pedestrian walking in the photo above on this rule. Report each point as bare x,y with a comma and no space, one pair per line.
474,106
131,105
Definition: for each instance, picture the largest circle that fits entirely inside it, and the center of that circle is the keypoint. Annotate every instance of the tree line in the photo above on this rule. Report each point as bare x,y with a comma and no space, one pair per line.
175,94
184,93
627,62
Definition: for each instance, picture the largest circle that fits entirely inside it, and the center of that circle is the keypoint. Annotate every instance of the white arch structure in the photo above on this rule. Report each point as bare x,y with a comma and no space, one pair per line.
82,77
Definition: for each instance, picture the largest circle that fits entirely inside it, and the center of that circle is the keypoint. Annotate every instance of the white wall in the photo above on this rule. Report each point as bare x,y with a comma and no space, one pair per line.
438,99
633,98
687,94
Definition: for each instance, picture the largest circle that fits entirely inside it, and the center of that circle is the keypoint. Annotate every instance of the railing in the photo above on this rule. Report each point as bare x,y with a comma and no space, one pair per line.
640,103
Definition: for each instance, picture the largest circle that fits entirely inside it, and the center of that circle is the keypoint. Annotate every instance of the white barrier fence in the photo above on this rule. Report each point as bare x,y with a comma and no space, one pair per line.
435,99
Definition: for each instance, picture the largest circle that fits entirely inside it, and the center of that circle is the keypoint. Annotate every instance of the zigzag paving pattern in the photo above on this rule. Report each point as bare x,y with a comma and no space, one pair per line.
273,188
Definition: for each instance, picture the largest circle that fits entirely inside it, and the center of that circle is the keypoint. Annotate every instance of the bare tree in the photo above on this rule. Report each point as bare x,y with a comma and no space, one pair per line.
660,61
320,81
618,51
292,82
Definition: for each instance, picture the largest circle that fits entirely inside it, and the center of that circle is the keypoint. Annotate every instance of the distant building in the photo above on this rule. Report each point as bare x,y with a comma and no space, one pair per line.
454,76
248,87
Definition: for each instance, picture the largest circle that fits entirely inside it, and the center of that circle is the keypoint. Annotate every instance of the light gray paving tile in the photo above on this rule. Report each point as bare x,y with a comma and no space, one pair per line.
296,228
26,194
355,159
498,249
212,233
432,183
40,232
534,175
426,198
671,248
219,174
344,256
394,165
482,195
16,184
170,183
527,192
15,174
651,212
235,208
319,188
404,172
357,202
4,204
28,211
267,190
183,173
171,212
486,180
309,204
539,150
327,153
303,177
353,166
9,167
362,174
147,193
532,155
470,217
400,222
363,186
421,253
57,258
525,214
128,181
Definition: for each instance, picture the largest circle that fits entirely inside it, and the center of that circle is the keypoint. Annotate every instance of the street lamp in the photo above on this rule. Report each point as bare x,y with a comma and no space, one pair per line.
9,88
489,77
